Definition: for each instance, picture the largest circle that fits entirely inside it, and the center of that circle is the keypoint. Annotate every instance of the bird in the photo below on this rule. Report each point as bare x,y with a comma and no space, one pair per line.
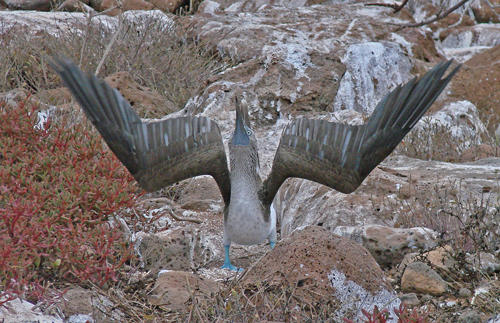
162,152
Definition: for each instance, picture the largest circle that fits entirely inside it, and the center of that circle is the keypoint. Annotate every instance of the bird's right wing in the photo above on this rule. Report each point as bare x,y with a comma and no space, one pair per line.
157,153
341,156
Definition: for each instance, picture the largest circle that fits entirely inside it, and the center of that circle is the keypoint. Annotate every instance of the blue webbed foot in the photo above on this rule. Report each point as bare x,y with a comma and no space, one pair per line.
272,244
227,262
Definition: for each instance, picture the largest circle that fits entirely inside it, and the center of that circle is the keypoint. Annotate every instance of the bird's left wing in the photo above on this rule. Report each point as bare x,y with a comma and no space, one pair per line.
341,156
157,153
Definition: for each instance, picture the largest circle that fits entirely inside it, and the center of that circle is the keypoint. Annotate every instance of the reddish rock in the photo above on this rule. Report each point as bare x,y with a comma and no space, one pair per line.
167,5
479,81
389,245
74,6
410,299
419,277
325,268
422,45
40,5
174,289
78,301
116,8
486,13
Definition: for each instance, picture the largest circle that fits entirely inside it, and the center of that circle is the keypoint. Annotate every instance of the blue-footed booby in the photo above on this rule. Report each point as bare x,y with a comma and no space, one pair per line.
161,152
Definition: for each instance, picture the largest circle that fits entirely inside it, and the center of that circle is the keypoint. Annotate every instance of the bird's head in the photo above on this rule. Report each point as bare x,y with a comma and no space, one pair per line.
243,135
243,144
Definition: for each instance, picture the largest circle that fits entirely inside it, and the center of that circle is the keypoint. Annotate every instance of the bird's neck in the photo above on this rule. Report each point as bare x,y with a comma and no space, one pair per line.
244,168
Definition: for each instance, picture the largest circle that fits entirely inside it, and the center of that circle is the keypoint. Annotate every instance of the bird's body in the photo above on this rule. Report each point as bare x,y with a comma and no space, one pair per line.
246,221
162,152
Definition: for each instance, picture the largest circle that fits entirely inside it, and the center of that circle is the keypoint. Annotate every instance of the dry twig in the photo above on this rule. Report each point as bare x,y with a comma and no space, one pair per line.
396,7
439,15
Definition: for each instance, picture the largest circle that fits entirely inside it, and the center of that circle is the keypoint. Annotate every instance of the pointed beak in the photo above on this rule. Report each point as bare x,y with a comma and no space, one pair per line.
240,136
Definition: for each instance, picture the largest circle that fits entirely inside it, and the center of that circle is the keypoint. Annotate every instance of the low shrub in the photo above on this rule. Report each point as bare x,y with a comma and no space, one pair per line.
58,183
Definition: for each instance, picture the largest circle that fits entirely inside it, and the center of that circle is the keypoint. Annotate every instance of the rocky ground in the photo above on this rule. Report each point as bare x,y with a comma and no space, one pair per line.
422,230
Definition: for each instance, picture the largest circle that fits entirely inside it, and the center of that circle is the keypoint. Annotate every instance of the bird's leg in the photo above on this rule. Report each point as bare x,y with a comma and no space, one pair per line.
227,261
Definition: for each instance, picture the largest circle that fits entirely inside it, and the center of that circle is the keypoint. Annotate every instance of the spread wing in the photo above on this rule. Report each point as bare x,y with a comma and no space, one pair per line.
341,156
157,153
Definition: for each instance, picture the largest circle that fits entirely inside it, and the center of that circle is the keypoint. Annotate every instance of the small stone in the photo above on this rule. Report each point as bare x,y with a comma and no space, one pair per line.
41,5
464,292
495,318
440,257
419,277
486,262
469,317
410,299
174,288
74,6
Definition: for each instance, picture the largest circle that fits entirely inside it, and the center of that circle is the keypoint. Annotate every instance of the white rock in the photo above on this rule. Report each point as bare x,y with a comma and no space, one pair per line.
18,310
460,120
373,69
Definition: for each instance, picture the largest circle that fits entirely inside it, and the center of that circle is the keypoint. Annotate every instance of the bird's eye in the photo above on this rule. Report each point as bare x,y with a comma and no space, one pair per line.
249,132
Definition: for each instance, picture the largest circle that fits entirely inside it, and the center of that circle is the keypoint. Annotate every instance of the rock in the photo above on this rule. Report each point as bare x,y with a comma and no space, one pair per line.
479,152
420,278
495,318
464,292
484,12
80,318
35,23
410,299
470,317
209,7
116,7
79,303
183,248
486,262
478,80
40,5
143,100
201,194
419,44
13,97
303,46
441,257
167,5
372,70
74,6
464,42
174,288
300,203
335,268
447,133
18,310
389,245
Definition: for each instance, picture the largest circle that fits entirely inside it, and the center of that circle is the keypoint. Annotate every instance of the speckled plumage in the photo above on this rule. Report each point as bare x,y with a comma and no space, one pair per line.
161,152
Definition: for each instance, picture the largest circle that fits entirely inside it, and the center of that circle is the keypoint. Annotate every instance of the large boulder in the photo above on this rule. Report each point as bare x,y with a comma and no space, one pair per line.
389,245
300,202
324,269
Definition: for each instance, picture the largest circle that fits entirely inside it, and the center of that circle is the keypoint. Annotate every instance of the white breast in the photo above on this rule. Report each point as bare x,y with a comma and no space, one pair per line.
245,221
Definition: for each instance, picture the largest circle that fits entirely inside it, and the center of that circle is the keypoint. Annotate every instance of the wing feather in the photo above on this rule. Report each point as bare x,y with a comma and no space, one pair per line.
341,156
156,152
